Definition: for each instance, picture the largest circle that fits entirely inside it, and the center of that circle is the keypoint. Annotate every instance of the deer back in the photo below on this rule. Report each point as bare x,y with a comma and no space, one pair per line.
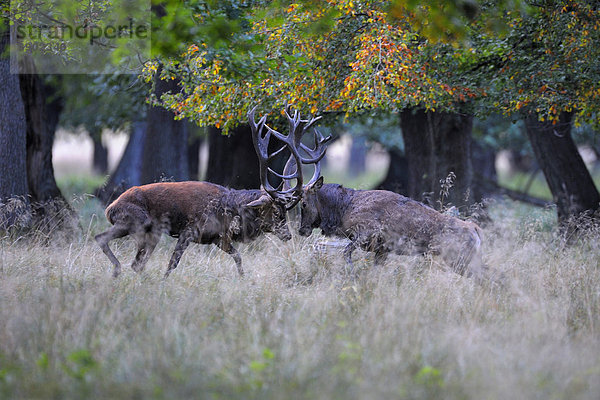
175,203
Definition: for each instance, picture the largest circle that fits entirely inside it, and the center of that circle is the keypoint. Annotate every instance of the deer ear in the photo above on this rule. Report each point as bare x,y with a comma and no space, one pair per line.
317,185
261,201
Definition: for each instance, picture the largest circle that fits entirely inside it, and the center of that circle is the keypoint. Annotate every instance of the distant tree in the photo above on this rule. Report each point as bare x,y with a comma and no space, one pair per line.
546,71
128,172
95,102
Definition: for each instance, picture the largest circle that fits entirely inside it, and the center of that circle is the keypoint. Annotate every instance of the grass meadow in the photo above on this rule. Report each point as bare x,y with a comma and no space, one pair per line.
299,325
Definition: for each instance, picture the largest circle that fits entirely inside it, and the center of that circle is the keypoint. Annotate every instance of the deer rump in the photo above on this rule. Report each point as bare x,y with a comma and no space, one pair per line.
385,222
192,211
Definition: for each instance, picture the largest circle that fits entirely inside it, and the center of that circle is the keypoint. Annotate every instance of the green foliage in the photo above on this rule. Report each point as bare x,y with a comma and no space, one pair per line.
481,57
96,102
66,37
79,184
547,62
450,20
354,58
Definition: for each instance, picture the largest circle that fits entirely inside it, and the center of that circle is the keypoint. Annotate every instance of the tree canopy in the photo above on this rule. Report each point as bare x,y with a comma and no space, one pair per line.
345,56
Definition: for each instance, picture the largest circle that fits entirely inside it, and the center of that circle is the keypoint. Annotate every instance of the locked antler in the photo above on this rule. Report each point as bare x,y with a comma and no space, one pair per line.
292,141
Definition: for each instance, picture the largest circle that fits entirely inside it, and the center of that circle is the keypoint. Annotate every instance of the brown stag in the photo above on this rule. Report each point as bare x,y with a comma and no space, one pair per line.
384,222
202,212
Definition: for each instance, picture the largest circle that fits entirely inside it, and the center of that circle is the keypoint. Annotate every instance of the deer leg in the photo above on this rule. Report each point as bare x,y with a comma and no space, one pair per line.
145,249
228,248
182,244
348,250
350,247
115,232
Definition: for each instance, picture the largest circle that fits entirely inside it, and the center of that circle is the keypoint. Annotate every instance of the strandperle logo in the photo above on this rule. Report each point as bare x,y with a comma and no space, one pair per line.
74,37
88,32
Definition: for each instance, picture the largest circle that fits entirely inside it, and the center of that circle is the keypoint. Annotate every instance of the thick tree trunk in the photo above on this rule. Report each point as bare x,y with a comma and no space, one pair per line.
232,160
42,110
437,144
100,155
569,180
129,170
13,131
51,211
396,178
165,147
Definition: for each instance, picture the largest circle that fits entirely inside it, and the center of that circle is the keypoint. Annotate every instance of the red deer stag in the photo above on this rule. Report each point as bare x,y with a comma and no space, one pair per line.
201,212
382,222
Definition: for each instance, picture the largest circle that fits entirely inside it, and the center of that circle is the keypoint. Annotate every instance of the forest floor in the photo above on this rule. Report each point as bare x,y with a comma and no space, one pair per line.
299,324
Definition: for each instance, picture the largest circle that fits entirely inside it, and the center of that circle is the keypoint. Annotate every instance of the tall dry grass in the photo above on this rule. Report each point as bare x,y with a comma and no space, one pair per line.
299,325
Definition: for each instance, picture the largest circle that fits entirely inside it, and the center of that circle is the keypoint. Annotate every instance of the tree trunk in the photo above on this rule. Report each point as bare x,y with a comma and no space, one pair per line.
358,155
165,147
483,159
100,155
232,161
569,180
129,170
42,110
51,211
437,144
194,157
13,142
396,178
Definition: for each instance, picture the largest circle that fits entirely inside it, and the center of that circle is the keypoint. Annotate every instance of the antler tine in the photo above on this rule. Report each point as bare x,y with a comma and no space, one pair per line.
296,130
299,127
261,145
316,154
293,141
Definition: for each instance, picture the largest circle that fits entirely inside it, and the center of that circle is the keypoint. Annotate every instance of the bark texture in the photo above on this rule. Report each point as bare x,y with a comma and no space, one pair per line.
52,213
437,144
567,176
232,161
165,148
13,154
42,111
13,151
194,157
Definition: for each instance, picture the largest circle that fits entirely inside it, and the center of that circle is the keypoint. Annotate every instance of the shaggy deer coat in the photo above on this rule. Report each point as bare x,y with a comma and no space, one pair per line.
192,211
383,222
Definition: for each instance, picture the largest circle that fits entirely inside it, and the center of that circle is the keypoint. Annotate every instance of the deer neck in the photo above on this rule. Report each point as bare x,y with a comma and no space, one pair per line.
334,201
234,204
